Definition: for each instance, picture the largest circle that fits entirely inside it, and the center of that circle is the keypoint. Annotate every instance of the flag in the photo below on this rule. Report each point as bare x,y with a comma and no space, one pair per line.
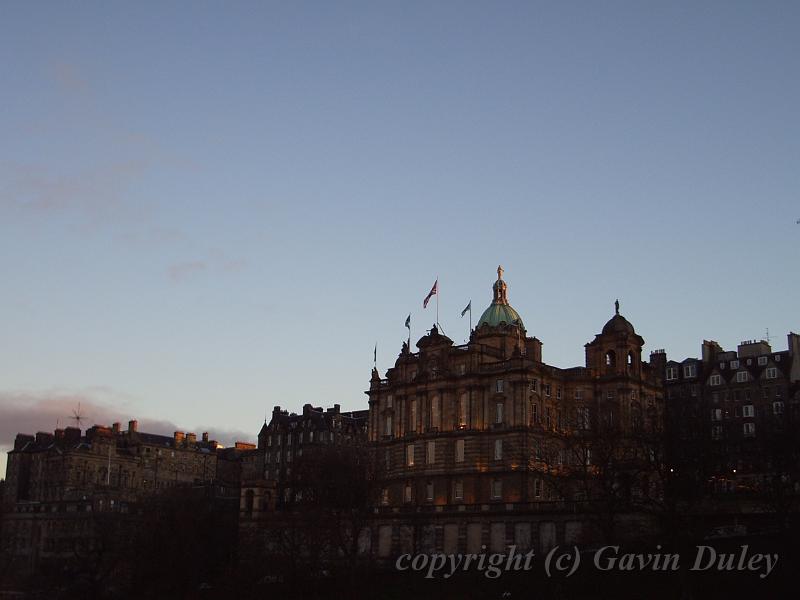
433,292
375,354
468,307
408,321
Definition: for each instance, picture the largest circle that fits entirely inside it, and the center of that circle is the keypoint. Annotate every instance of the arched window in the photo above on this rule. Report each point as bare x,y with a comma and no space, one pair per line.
630,359
611,358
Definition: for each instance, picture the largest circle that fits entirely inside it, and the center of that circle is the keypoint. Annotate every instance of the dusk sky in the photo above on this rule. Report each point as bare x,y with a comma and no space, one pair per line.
208,209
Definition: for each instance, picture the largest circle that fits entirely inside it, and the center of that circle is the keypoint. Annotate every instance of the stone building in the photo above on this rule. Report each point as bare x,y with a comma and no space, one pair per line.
61,485
282,442
463,431
735,408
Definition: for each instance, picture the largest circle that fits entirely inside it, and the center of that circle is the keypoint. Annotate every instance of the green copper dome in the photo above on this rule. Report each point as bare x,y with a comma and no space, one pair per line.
500,310
500,313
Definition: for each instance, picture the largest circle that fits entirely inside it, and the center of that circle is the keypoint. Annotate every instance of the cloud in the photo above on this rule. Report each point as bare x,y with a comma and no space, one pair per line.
26,412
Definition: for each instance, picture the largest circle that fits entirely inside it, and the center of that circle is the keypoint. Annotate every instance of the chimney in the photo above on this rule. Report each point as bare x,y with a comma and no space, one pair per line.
133,426
205,437
21,440
115,428
191,439
43,438
59,434
178,438
72,434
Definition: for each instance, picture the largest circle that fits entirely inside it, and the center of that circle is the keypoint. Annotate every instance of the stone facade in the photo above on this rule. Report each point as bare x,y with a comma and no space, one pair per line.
734,407
461,430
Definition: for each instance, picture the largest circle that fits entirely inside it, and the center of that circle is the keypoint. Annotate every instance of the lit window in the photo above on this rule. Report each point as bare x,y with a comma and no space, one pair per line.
410,455
462,410
459,451
498,449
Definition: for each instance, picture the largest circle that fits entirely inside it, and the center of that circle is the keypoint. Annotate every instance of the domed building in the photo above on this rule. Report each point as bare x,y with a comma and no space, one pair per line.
477,430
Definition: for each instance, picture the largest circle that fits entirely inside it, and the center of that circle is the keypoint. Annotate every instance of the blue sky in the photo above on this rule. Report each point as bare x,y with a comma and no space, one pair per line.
207,209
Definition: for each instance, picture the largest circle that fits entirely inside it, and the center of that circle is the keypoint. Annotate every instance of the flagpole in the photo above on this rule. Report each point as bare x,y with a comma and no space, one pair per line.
437,301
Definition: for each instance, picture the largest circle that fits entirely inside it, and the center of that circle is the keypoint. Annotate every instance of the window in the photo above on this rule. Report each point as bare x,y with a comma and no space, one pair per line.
690,371
749,429
462,410
579,394
611,358
429,491
777,408
410,455
734,364
537,488
459,451
436,412
672,373
715,397
498,413
498,386
407,493
715,380
583,418
534,385
747,410
498,449
742,376
716,414
587,457
547,417
462,369
610,394
762,360
412,416
535,409
385,496
458,489
716,432
430,452
388,428
389,401
558,393
777,358
772,373
497,489
269,442
547,390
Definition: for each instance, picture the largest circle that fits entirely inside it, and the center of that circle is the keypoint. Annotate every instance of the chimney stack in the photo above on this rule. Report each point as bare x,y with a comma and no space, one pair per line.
191,439
178,438
115,428
133,426
205,437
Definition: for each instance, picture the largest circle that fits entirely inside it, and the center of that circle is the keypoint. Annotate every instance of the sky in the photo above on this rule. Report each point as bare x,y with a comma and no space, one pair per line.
210,209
